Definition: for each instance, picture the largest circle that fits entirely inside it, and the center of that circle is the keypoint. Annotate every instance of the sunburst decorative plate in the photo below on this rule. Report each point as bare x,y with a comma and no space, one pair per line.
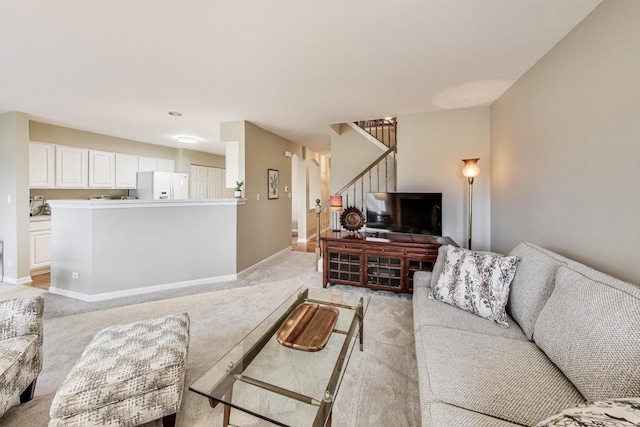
352,219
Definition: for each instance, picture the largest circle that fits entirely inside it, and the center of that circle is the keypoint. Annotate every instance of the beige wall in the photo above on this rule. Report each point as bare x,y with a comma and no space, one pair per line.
14,196
264,226
185,158
53,134
431,147
565,144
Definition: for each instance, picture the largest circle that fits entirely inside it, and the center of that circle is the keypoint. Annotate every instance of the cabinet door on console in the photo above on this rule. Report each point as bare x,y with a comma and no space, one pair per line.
343,264
384,269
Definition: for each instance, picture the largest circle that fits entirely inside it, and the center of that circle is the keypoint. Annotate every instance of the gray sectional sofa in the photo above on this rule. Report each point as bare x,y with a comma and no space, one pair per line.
574,337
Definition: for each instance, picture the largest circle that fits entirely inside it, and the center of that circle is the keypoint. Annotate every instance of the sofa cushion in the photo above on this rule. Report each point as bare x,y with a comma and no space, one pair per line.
590,328
476,282
443,415
614,412
422,279
532,284
500,377
428,312
438,266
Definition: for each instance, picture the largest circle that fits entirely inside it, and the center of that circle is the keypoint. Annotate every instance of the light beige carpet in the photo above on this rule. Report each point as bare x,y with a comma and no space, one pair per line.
379,388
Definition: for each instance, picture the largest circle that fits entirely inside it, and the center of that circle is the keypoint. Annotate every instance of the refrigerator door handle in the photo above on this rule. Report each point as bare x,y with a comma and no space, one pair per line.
171,189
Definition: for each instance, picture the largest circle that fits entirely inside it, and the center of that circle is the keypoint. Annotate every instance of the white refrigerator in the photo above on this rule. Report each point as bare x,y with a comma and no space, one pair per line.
161,185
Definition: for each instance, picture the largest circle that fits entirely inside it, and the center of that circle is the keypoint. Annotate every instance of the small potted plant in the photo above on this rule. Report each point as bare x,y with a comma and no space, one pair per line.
238,190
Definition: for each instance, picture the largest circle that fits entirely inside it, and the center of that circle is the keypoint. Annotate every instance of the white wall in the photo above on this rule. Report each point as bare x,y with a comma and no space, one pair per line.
431,147
565,144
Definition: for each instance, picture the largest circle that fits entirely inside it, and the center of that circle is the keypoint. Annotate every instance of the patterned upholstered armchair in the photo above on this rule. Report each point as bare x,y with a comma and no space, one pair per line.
20,349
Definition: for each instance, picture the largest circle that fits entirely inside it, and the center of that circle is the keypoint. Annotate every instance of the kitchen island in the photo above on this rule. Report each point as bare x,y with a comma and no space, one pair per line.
103,249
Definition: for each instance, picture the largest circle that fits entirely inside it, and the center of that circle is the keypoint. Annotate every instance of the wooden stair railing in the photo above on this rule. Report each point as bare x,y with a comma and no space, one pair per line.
374,178
384,130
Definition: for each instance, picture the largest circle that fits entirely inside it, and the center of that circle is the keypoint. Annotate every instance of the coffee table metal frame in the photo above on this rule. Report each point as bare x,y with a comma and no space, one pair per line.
222,391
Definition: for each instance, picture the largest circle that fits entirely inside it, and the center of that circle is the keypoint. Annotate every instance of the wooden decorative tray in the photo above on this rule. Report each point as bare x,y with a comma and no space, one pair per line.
308,327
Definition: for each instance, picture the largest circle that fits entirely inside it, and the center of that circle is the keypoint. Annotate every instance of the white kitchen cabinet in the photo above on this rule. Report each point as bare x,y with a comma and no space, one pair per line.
42,163
126,170
102,171
40,247
147,164
166,165
152,164
72,167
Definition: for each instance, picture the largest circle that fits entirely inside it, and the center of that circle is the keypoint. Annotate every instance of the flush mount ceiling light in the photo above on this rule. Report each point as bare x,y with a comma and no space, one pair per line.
188,140
175,113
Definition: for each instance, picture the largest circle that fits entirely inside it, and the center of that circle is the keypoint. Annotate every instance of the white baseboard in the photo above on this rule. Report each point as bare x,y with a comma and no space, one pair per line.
20,281
137,291
254,266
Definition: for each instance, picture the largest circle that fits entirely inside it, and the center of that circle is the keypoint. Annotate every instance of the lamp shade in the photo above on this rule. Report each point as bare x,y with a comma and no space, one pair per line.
471,168
335,203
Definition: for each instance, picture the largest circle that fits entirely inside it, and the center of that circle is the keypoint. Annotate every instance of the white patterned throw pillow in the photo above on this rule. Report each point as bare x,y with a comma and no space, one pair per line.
477,282
605,413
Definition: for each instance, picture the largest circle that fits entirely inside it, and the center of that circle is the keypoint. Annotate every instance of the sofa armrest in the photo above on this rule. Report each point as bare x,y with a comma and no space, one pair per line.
421,279
21,316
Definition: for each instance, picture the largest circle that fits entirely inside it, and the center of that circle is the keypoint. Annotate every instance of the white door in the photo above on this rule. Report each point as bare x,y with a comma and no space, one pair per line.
42,162
126,170
101,169
72,167
198,182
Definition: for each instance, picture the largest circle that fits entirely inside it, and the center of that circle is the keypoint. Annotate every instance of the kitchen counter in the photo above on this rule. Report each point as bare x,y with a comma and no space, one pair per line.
138,203
103,249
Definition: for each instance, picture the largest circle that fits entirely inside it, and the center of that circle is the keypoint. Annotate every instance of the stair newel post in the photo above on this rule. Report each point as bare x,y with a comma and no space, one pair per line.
318,209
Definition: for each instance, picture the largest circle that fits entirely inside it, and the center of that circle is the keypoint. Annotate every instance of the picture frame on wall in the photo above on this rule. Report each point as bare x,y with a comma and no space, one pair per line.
273,184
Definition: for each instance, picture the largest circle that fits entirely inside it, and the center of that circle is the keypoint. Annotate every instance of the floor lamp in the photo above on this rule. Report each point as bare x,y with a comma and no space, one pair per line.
470,170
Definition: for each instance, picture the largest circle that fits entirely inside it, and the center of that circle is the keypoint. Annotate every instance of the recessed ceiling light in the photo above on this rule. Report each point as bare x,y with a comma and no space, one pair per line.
175,113
188,140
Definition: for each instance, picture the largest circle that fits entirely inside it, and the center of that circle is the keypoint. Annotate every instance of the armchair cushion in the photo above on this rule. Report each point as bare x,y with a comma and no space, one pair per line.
20,347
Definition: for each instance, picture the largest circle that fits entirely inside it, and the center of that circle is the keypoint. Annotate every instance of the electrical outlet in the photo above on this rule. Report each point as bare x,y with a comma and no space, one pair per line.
258,196
74,275
9,263
8,199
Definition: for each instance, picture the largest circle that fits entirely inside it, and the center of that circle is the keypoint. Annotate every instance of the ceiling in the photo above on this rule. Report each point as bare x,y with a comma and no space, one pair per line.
293,67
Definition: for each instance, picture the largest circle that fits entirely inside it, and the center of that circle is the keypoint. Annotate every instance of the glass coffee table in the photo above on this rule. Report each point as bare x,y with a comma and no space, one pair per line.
270,383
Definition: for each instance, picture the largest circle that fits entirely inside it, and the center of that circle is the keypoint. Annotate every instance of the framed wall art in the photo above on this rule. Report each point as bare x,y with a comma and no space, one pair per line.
273,184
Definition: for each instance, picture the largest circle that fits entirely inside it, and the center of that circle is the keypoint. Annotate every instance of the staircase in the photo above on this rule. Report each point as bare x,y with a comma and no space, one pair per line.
379,176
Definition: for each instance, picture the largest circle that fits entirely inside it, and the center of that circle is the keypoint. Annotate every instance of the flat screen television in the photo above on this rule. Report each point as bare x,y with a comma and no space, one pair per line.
416,213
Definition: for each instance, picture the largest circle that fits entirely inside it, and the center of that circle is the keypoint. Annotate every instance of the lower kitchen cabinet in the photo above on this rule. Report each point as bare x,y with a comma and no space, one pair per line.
40,244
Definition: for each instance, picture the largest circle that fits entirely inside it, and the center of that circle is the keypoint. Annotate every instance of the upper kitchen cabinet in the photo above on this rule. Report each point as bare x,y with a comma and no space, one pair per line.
72,167
126,170
150,164
42,163
101,169
166,165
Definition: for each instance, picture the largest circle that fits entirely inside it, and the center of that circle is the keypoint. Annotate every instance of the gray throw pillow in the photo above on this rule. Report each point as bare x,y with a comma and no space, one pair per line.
605,413
477,282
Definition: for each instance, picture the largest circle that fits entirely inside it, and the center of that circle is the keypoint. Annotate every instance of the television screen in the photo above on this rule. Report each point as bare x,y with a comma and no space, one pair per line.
416,213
